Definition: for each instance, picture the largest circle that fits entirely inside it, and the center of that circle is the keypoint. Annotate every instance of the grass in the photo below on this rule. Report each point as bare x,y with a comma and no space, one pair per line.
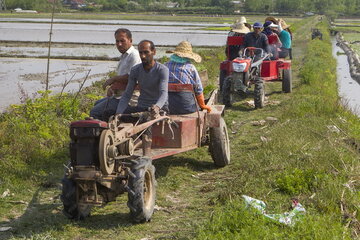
297,155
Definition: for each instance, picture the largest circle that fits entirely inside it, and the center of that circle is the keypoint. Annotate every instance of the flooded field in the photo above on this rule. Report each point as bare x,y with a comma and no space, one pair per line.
349,89
24,41
103,33
21,77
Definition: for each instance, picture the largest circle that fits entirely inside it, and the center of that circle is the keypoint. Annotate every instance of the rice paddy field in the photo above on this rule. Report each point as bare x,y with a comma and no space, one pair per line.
351,31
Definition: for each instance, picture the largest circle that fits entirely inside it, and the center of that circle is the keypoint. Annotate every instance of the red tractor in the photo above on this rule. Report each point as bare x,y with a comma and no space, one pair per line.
252,68
106,157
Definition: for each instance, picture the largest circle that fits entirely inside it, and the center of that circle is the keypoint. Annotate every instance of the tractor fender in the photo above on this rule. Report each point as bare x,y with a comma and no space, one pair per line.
213,118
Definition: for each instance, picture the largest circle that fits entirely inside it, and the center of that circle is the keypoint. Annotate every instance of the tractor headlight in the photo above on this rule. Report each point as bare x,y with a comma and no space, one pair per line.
239,67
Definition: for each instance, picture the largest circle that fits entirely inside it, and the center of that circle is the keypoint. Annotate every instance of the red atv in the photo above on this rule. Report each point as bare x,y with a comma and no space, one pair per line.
106,157
252,68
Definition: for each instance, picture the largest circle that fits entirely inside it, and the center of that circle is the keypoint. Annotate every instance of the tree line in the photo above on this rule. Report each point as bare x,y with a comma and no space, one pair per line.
333,8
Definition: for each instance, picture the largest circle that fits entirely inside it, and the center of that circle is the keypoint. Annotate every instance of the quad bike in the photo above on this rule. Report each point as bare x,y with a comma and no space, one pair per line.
269,70
316,33
106,157
245,72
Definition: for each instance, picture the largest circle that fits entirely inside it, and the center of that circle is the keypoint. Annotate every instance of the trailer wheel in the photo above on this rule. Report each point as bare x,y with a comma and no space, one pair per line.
222,77
259,93
219,144
287,81
227,92
72,209
142,190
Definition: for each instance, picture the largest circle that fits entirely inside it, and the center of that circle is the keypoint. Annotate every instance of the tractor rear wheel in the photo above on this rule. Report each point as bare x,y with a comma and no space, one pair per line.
287,81
142,190
227,92
259,93
219,145
72,209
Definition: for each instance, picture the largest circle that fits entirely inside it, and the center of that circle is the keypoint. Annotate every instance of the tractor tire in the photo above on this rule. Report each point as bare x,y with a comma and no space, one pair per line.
142,190
222,77
259,94
227,92
287,81
72,209
219,146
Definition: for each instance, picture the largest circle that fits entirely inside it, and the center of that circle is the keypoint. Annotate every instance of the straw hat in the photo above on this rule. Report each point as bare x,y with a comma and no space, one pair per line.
184,49
272,19
240,28
283,23
241,20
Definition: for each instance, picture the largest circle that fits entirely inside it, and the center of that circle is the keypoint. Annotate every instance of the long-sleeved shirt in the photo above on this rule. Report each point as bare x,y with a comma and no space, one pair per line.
285,39
185,73
153,87
258,41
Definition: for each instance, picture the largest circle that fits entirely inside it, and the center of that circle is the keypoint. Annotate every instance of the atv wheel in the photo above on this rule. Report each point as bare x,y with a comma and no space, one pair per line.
227,92
106,162
219,145
259,94
142,190
287,81
222,77
72,209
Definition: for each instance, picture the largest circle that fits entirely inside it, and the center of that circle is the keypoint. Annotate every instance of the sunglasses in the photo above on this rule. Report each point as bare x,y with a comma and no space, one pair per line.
257,27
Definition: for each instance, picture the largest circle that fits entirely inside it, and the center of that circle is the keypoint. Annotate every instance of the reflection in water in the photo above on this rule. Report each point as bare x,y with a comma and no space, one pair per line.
28,75
349,89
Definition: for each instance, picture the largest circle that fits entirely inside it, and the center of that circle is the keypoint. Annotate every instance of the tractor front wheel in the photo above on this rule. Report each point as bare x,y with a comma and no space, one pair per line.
142,190
72,209
259,93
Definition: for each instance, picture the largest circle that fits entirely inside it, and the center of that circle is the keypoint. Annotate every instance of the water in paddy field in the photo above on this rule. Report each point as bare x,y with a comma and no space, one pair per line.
83,39
23,77
349,89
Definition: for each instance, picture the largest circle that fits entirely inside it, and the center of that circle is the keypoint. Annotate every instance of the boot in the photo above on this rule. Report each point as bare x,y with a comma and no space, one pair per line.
146,145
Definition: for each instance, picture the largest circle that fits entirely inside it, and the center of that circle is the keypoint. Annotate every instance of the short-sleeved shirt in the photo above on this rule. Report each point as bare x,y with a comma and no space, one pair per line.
285,39
153,87
258,41
185,73
127,60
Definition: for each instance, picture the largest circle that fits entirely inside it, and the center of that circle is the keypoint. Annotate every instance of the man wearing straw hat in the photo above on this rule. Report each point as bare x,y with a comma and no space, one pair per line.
182,71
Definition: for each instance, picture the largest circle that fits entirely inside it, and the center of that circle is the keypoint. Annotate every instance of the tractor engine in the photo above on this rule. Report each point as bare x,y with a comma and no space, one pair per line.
84,145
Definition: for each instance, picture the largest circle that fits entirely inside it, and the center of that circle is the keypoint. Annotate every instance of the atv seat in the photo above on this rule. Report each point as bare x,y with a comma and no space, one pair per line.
233,43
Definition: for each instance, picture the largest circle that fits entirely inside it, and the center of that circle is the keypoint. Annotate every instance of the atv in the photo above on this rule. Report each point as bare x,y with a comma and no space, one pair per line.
239,80
106,157
245,72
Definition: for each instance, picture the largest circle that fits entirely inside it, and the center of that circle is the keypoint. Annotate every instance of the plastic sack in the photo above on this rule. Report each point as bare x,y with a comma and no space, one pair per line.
287,218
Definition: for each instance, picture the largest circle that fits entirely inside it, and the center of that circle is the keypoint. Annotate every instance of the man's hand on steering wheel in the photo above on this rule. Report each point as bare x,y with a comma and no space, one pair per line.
154,111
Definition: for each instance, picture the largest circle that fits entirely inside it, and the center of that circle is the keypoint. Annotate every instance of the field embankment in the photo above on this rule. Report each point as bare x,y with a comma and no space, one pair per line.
302,145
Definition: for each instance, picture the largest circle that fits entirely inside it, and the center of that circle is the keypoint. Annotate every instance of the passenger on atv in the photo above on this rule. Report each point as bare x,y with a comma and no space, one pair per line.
236,37
152,79
182,71
273,38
